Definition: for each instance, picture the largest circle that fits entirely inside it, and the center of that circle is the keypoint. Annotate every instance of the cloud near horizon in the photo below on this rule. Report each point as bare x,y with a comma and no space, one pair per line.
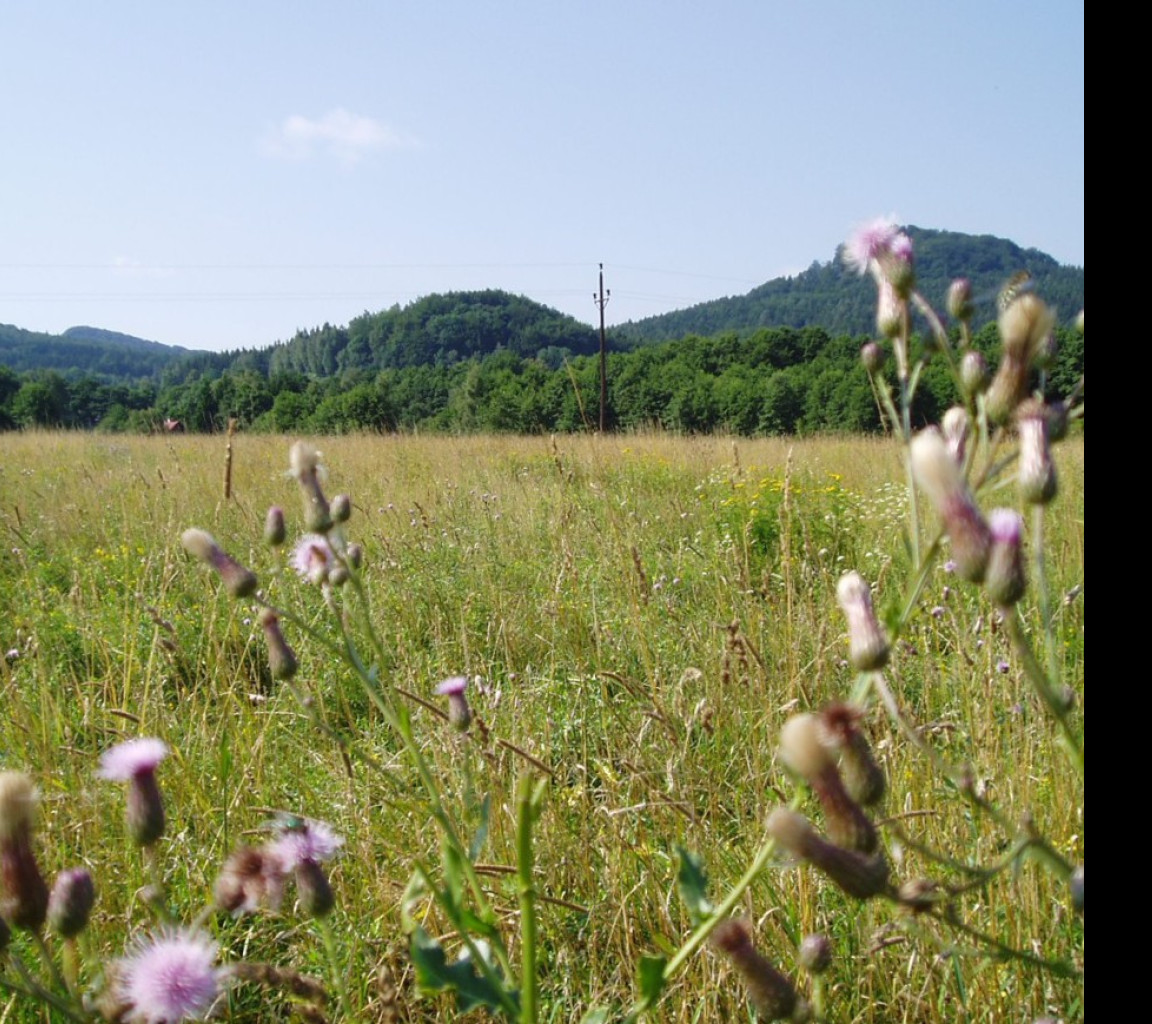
338,133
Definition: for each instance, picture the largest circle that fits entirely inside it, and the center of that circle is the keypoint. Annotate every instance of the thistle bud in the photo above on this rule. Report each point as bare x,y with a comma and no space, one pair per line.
942,481
459,713
355,556
23,891
873,357
341,508
955,426
1025,325
859,875
281,658
304,463
802,751
960,299
135,762
890,311
274,529
973,374
1076,884
863,777
1004,578
867,644
815,954
769,991
238,581
1036,474
313,889
70,903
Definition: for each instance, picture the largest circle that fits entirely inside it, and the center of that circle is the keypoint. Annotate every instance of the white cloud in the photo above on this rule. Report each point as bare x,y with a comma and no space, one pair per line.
338,133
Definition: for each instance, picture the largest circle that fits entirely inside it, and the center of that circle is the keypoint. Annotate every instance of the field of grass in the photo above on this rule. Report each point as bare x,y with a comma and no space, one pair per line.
638,615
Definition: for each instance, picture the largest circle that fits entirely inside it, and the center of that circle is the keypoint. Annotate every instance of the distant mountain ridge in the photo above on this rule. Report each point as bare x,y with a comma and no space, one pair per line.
831,296
443,329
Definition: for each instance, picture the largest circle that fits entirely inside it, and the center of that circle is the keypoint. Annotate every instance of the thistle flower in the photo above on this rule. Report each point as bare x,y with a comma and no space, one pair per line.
23,891
313,558
1036,473
883,250
238,581
459,713
281,658
867,644
70,903
804,754
815,953
341,508
135,762
1024,328
169,978
863,777
302,846
274,529
973,374
960,299
304,463
770,992
1004,578
859,875
250,878
943,482
955,426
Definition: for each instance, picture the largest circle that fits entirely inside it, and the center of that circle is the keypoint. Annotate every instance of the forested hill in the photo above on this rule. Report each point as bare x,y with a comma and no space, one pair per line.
439,330
85,350
831,296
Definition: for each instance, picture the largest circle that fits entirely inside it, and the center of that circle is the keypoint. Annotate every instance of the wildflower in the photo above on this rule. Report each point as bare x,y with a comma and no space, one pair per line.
249,879
1024,328
867,644
960,299
70,903
943,482
23,892
313,558
860,875
815,953
839,729
459,713
134,762
1036,474
1004,578
238,581
973,374
302,847
168,978
769,991
341,508
955,426
281,658
274,528
304,462
804,754
890,310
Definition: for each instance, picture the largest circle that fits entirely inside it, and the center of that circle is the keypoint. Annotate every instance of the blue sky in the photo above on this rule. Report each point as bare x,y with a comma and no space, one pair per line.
217,175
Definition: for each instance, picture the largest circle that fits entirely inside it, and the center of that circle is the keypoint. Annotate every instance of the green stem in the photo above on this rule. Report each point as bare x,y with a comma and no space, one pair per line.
527,807
334,965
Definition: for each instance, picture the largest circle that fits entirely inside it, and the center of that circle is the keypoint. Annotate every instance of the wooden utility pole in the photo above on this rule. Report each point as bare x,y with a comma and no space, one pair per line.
601,300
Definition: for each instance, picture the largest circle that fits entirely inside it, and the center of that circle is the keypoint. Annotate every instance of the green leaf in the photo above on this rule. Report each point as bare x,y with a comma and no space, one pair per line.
693,883
453,874
435,974
415,893
597,1015
652,977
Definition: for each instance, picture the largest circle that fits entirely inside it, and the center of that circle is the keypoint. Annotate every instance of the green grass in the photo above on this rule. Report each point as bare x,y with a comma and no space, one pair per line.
644,612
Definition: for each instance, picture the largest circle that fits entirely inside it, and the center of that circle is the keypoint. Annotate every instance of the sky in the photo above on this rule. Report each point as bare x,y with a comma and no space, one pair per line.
219,175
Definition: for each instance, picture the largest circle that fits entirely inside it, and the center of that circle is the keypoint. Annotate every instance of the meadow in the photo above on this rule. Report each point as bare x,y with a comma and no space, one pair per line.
637,616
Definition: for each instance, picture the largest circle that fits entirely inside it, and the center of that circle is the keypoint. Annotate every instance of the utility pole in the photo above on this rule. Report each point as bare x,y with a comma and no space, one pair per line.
601,300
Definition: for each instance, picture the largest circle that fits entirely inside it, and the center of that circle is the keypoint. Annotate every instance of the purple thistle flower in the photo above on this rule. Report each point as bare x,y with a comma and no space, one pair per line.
169,978
313,558
127,760
869,242
459,713
305,840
